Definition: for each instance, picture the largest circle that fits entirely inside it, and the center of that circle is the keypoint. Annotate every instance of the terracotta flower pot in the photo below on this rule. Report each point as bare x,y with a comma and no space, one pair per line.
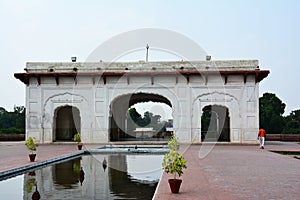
32,157
175,185
79,146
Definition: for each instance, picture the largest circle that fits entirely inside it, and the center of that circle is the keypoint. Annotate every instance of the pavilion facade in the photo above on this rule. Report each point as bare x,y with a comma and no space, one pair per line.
93,99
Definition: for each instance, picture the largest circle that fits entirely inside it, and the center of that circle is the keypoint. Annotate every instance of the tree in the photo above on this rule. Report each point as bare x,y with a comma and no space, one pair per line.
2,110
292,123
7,119
20,112
271,109
135,119
12,122
146,120
134,115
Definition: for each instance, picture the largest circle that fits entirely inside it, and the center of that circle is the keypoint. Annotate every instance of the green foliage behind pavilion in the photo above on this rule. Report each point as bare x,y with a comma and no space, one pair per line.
271,118
12,122
135,120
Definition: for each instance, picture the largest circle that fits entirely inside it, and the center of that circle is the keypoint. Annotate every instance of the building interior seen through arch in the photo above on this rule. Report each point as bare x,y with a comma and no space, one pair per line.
66,123
215,124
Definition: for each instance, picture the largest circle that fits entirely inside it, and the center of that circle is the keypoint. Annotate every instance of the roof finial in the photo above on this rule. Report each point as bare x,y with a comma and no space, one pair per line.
147,47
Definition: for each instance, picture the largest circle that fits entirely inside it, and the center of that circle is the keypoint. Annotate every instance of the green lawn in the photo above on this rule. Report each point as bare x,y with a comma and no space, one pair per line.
288,153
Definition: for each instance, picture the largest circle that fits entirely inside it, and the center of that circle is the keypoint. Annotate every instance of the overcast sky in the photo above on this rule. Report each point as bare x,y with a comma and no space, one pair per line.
54,30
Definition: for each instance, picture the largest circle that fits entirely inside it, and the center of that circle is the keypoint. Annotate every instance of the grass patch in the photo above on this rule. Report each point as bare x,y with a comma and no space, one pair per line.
288,153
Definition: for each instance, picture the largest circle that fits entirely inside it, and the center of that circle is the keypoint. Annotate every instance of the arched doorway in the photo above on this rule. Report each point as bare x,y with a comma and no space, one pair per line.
124,126
215,124
66,123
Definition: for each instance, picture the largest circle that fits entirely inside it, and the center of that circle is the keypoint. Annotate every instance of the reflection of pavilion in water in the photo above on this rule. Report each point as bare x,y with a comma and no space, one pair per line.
64,180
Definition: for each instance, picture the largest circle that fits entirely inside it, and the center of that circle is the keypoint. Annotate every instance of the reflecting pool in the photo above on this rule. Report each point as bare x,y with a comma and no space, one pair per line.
97,176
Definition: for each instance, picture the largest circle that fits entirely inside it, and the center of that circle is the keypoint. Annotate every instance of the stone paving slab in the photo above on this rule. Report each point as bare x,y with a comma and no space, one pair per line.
237,172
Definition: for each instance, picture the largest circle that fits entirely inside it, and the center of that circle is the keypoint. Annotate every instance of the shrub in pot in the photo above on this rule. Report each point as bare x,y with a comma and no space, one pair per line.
174,163
31,146
77,139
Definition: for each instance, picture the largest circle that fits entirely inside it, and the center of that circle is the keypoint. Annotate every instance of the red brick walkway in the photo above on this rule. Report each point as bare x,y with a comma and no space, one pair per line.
14,154
237,172
227,172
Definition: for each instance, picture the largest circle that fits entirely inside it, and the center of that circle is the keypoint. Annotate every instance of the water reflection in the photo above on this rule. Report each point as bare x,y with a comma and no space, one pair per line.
104,164
31,187
96,177
66,174
36,195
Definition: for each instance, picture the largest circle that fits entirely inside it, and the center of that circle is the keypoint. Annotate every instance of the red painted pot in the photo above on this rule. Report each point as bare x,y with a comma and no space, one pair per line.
32,157
175,185
79,146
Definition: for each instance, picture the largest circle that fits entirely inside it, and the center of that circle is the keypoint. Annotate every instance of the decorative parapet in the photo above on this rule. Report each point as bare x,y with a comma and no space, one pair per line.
106,69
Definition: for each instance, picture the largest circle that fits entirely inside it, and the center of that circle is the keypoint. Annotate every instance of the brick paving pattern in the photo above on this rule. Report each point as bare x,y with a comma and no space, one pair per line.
237,172
15,154
227,172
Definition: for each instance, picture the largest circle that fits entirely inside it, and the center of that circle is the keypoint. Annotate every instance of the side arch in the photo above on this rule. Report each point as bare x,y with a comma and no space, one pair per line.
217,98
62,100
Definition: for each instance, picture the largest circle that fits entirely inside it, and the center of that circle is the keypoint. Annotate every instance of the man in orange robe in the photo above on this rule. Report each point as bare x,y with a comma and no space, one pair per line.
261,137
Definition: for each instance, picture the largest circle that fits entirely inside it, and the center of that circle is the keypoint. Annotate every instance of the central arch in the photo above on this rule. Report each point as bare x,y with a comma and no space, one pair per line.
118,119
66,123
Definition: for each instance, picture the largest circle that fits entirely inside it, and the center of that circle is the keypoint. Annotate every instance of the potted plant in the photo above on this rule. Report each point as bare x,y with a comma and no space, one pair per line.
31,146
174,163
77,139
